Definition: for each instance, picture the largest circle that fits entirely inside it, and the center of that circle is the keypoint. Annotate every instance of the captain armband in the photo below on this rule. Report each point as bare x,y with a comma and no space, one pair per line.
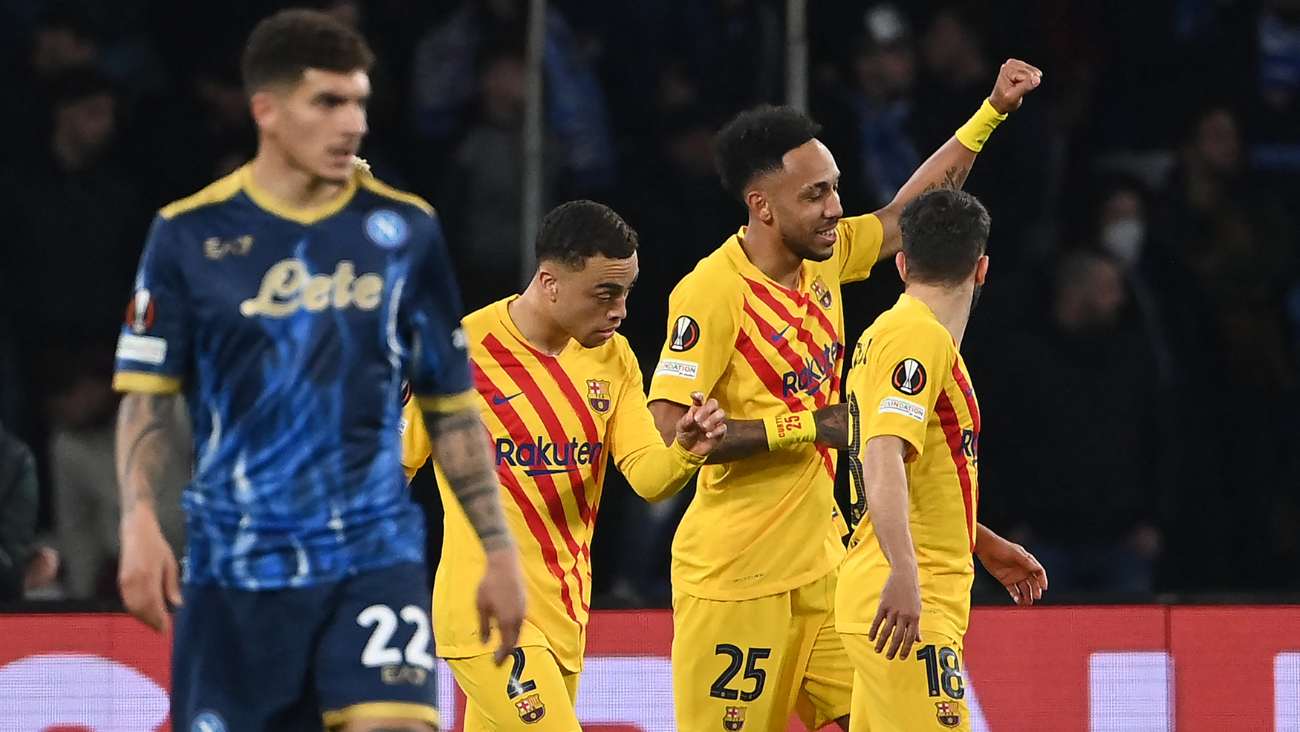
788,429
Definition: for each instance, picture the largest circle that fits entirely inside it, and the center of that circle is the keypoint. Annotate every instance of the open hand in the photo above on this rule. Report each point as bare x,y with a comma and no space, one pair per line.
703,427
1017,570
148,575
501,597
899,615
1015,80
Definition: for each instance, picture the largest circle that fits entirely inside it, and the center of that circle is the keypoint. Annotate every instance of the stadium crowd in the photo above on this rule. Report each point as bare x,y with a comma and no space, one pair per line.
1137,357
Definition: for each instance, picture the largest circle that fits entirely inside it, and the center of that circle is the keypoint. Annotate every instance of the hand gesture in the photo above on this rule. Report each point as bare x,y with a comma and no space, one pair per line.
1017,570
703,426
501,597
148,576
1015,80
899,615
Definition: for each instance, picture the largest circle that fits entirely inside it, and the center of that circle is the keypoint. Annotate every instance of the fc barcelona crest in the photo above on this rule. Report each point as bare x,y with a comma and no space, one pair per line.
734,719
822,293
598,395
947,714
531,709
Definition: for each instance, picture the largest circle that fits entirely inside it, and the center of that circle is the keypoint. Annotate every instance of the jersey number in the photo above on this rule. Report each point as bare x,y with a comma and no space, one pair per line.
752,671
942,671
515,687
859,507
377,653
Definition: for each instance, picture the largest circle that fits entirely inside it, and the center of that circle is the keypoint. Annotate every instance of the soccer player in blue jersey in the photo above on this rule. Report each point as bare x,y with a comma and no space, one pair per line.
285,304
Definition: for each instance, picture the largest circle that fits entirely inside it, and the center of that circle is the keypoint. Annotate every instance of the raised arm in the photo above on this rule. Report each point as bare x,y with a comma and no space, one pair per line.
952,162
152,443
461,448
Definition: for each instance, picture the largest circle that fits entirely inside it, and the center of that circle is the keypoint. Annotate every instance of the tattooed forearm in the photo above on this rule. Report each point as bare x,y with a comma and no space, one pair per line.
151,444
833,426
465,456
953,178
745,438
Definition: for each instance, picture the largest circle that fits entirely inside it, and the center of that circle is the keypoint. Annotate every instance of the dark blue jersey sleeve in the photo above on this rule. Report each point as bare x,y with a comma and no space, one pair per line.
439,365
153,349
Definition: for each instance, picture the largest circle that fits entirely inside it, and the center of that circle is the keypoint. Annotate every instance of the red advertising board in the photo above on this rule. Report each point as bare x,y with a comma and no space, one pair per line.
1066,669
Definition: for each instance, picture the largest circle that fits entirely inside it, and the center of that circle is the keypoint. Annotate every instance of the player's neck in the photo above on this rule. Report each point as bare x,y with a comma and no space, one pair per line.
289,184
528,313
766,251
950,305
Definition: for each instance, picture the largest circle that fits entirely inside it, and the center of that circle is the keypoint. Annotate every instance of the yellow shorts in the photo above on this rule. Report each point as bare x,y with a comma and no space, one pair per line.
753,663
924,692
528,692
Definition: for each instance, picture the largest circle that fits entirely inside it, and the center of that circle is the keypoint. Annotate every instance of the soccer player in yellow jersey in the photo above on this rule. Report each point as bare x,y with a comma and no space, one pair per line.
758,326
562,396
914,428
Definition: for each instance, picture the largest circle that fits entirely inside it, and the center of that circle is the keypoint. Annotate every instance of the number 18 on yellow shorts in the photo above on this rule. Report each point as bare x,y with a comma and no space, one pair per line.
923,692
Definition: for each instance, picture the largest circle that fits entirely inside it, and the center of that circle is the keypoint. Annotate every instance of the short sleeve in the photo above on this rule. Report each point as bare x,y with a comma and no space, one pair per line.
895,382
416,446
703,321
860,239
439,367
154,346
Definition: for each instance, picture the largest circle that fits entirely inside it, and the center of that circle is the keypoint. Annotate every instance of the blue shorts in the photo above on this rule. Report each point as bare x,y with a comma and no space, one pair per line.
303,660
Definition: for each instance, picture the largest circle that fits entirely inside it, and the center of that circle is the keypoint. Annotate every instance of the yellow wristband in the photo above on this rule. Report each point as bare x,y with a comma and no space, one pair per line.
977,129
788,429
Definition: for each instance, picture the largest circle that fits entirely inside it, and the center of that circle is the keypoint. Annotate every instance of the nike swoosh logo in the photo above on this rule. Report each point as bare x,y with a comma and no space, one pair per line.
778,336
498,399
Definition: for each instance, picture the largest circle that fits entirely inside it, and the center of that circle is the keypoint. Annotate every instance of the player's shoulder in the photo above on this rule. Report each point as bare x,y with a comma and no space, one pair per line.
910,322
216,193
412,203
716,275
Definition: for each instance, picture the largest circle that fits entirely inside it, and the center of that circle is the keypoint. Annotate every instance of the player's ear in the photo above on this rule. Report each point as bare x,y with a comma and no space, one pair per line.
900,261
981,269
263,107
758,205
550,284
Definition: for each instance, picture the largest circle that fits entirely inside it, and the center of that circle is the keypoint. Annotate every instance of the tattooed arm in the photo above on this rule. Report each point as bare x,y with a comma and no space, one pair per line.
461,449
951,163
152,443
748,437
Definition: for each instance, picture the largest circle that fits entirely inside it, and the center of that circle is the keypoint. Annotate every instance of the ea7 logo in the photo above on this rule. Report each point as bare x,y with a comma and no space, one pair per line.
288,287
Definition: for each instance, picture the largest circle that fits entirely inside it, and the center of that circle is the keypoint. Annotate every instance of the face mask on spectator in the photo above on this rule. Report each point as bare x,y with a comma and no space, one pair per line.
1123,240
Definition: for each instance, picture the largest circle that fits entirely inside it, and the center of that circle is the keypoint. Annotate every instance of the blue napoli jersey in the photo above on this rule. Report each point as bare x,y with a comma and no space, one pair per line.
290,332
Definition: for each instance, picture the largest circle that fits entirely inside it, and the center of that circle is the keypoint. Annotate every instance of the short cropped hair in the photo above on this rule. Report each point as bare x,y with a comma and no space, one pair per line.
754,142
576,231
282,47
945,232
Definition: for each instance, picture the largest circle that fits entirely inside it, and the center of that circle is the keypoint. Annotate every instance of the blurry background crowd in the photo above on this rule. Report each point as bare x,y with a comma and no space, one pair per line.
1135,351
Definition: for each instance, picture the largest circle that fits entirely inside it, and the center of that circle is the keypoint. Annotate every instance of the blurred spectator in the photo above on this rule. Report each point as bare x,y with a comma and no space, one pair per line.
482,191
444,86
63,38
23,564
869,121
72,231
1080,462
1014,176
1234,246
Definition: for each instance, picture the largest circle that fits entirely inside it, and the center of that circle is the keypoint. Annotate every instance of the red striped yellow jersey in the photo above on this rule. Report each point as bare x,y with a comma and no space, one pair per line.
767,523
555,422
908,379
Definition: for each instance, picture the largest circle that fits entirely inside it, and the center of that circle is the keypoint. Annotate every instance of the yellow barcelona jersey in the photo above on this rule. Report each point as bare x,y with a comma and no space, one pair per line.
767,523
555,422
908,380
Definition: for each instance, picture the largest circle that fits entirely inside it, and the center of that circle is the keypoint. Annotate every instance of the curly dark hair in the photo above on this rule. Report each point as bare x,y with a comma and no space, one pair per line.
754,142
